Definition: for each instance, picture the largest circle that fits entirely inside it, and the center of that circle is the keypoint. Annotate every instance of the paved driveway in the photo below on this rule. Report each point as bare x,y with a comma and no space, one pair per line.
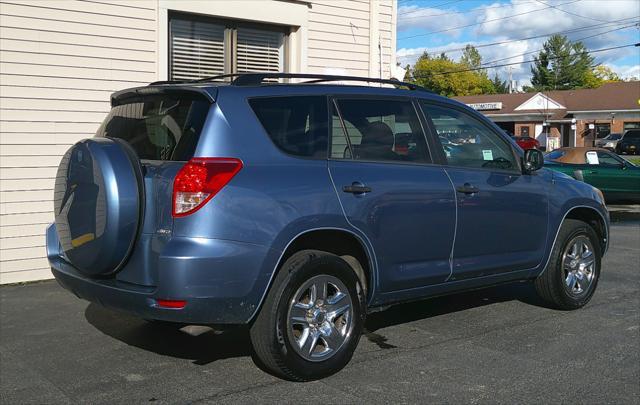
493,346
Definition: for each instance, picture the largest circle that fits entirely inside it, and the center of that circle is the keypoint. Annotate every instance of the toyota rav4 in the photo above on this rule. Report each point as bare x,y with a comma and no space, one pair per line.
295,209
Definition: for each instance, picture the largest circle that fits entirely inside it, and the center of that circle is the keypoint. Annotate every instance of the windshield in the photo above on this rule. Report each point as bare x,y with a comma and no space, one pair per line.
160,126
613,137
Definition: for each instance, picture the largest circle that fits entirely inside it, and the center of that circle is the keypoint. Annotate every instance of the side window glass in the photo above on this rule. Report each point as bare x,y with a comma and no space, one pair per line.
378,130
467,142
339,143
607,159
297,125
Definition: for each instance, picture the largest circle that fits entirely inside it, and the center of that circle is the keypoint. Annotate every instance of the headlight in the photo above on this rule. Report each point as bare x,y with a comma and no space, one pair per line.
611,144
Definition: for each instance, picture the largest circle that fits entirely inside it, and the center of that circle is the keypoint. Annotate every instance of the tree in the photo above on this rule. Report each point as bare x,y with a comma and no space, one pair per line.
499,86
407,73
449,78
561,65
599,75
471,57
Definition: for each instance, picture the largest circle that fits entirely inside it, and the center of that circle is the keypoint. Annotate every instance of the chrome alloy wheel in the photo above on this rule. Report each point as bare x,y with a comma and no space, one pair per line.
578,263
320,318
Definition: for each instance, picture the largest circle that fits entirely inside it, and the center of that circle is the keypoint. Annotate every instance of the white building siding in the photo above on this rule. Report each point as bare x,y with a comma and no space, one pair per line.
60,61
340,35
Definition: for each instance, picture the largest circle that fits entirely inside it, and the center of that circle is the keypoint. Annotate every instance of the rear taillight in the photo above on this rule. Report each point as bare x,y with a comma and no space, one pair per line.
199,180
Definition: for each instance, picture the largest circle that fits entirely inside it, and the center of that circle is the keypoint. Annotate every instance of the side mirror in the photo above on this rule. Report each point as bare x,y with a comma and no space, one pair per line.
533,160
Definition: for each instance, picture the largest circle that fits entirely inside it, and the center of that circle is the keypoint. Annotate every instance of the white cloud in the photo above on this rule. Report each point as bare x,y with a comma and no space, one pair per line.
534,24
431,19
625,71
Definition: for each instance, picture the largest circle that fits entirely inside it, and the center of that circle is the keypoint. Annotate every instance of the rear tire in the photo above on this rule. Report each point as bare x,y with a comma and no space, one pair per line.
571,277
303,331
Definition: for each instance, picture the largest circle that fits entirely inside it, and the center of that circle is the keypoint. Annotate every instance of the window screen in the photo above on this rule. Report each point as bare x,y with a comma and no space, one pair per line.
297,125
380,130
197,49
467,142
158,127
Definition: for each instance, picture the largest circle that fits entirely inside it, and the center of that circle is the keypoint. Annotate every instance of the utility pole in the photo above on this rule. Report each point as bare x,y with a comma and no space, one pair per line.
510,81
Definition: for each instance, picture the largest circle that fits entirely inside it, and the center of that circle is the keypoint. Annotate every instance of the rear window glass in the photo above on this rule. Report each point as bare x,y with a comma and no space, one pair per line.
298,125
633,134
158,127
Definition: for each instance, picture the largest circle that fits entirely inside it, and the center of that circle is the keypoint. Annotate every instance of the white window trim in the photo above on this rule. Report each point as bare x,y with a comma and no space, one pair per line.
275,12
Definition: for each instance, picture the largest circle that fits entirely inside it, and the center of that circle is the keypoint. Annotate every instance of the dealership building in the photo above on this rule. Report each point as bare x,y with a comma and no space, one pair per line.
564,117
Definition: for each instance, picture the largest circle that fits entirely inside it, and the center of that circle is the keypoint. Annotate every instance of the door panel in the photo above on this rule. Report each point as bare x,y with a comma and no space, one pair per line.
502,214
389,191
408,216
503,226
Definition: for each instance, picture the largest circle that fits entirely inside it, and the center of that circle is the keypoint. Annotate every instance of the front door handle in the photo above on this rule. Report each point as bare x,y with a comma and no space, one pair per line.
467,189
356,188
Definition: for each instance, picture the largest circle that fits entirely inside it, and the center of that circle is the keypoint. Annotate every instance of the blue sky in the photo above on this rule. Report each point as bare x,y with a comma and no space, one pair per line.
446,25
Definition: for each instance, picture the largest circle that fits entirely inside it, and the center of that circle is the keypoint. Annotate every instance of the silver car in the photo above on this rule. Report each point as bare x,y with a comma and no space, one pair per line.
608,142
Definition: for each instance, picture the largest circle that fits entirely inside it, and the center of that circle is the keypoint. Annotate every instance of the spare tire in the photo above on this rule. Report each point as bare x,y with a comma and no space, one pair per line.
98,204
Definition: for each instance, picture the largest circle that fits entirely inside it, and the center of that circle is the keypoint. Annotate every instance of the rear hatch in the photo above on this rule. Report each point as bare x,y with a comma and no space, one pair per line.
159,129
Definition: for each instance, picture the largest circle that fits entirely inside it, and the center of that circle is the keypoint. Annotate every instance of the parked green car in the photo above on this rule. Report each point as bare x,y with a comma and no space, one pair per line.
618,179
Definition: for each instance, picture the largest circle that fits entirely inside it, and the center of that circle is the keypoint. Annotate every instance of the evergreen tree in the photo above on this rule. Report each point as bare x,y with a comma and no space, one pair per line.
499,86
561,65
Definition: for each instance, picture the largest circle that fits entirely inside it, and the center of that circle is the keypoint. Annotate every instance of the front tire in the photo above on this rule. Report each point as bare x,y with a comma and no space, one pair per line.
312,318
571,277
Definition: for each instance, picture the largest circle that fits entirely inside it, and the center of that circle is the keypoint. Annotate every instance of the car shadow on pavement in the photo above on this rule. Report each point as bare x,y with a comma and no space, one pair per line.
167,339
429,308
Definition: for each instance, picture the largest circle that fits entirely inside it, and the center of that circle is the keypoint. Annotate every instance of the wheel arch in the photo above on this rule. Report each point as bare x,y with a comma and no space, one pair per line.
339,241
592,217
589,215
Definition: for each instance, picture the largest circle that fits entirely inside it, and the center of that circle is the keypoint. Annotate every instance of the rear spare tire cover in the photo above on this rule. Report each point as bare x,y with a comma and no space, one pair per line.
98,202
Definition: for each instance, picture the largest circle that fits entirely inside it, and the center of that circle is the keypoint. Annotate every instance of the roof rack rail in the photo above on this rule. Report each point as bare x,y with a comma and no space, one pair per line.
254,79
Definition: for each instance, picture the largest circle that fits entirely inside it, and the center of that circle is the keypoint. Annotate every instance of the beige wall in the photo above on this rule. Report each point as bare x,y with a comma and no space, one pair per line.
61,60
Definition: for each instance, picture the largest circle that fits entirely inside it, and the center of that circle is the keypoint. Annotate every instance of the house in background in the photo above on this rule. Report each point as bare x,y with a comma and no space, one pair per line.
61,60
566,117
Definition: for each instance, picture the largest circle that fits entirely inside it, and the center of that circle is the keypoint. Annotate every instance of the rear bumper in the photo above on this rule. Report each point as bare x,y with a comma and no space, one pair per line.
221,281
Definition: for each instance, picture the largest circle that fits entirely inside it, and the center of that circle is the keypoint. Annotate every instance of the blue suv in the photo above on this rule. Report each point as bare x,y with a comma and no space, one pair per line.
297,208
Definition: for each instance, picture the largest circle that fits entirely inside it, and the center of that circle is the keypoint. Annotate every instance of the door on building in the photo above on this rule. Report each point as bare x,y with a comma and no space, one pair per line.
602,130
567,139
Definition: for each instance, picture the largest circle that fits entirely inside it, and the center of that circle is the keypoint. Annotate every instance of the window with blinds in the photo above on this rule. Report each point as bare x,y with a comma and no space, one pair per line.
202,48
259,50
197,49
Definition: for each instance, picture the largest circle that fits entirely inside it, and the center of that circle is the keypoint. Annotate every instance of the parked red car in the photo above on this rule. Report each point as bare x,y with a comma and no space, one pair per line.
527,142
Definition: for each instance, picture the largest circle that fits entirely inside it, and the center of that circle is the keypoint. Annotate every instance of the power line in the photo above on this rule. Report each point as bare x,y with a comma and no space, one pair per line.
460,12
486,64
568,12
526,61
484,22
436,6
601,25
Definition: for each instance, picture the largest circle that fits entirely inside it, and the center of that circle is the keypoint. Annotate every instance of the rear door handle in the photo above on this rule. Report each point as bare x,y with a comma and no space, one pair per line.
467,189
356,188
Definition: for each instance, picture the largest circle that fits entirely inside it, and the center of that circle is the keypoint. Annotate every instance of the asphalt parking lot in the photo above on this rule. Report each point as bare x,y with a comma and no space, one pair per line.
493,346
